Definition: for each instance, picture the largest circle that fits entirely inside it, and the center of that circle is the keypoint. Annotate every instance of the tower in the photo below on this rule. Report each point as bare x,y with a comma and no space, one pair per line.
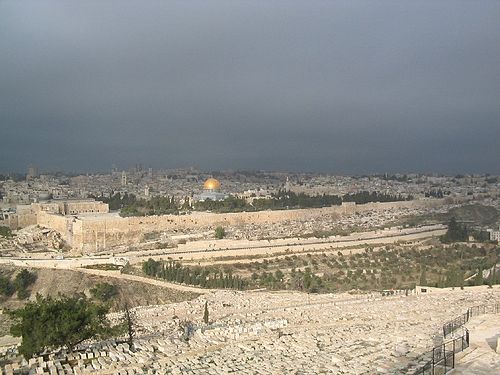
124,178
287,184
32,172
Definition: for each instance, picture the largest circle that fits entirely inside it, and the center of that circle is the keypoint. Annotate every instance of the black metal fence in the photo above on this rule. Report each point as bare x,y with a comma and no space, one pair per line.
441,359
458,322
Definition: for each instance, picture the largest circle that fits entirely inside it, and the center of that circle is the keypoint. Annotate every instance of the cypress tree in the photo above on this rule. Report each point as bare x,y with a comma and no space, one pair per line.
205,313
479,277
423,276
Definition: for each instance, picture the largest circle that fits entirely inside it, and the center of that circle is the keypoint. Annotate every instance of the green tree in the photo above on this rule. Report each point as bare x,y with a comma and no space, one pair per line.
219,233
423,276
5,232
455,232
491,277
104,291
129,323
478,280
151,267
23,280
6,287
49,323
279,275
205,313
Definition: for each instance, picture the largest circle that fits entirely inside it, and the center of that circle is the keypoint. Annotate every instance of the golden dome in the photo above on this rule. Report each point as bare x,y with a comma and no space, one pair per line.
211,184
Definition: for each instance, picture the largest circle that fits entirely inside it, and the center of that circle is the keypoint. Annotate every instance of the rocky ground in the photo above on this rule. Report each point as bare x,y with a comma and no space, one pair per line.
277,333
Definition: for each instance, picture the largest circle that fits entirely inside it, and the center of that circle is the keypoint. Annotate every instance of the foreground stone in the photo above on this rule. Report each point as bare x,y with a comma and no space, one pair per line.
282,332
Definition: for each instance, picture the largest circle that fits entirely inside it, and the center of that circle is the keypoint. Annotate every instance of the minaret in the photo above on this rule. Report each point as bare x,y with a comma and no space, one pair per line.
287,184
124,178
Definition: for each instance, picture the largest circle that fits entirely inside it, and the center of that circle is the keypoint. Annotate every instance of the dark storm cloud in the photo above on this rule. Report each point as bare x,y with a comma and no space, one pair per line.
350,87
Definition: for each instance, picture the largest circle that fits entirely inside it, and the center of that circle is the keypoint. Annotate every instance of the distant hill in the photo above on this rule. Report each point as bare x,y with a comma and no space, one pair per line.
475,214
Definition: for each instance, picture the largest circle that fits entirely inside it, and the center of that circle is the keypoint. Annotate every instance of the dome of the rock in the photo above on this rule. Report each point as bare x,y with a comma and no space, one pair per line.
211,184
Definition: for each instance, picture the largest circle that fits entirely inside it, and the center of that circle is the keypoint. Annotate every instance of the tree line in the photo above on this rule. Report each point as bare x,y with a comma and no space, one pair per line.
198,276
129,205
288,200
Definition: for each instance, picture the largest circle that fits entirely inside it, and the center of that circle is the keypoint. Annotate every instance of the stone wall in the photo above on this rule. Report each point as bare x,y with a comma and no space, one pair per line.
59,223
16,221
70,207
96,232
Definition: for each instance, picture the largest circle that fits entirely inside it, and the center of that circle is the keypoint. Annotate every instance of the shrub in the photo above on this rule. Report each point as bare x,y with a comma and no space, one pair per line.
23,280
5,232
104,291
6,287
219,233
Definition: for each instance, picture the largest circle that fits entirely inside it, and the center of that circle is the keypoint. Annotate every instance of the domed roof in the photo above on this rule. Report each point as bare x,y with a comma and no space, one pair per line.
211,184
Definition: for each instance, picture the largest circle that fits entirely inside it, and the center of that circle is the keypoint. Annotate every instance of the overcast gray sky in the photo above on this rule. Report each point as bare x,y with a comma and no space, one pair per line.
334,86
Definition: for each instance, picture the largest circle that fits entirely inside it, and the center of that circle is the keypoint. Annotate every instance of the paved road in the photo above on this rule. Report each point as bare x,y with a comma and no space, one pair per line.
481,357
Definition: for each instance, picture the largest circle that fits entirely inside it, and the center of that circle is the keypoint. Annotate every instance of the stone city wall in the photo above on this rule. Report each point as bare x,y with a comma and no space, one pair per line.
17,221
71,207
91,234
56,222
95,233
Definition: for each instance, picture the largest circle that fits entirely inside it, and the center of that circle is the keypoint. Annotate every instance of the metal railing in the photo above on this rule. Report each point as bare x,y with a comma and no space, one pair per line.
441,359
455,324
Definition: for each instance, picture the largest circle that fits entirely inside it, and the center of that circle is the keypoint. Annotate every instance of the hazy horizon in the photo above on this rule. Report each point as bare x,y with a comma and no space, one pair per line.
131,169
344,87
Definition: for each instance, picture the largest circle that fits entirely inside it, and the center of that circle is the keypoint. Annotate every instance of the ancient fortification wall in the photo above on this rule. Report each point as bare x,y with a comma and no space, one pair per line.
16,221
71,207
96,232
54,221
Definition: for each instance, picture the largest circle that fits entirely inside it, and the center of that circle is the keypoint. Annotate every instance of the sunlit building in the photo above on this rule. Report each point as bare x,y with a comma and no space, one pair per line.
211,190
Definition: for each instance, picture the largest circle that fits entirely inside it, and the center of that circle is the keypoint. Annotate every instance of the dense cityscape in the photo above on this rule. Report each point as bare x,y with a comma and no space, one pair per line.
186,233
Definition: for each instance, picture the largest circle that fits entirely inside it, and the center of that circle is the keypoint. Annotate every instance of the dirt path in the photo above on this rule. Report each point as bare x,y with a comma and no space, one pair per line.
481,357
160,283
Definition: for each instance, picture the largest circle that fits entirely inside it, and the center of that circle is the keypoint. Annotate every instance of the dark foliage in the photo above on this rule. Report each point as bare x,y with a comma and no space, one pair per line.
48,323
455,233
203,277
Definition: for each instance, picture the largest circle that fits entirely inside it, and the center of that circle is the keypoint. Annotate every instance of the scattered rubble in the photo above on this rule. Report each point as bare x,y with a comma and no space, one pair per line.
269,333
